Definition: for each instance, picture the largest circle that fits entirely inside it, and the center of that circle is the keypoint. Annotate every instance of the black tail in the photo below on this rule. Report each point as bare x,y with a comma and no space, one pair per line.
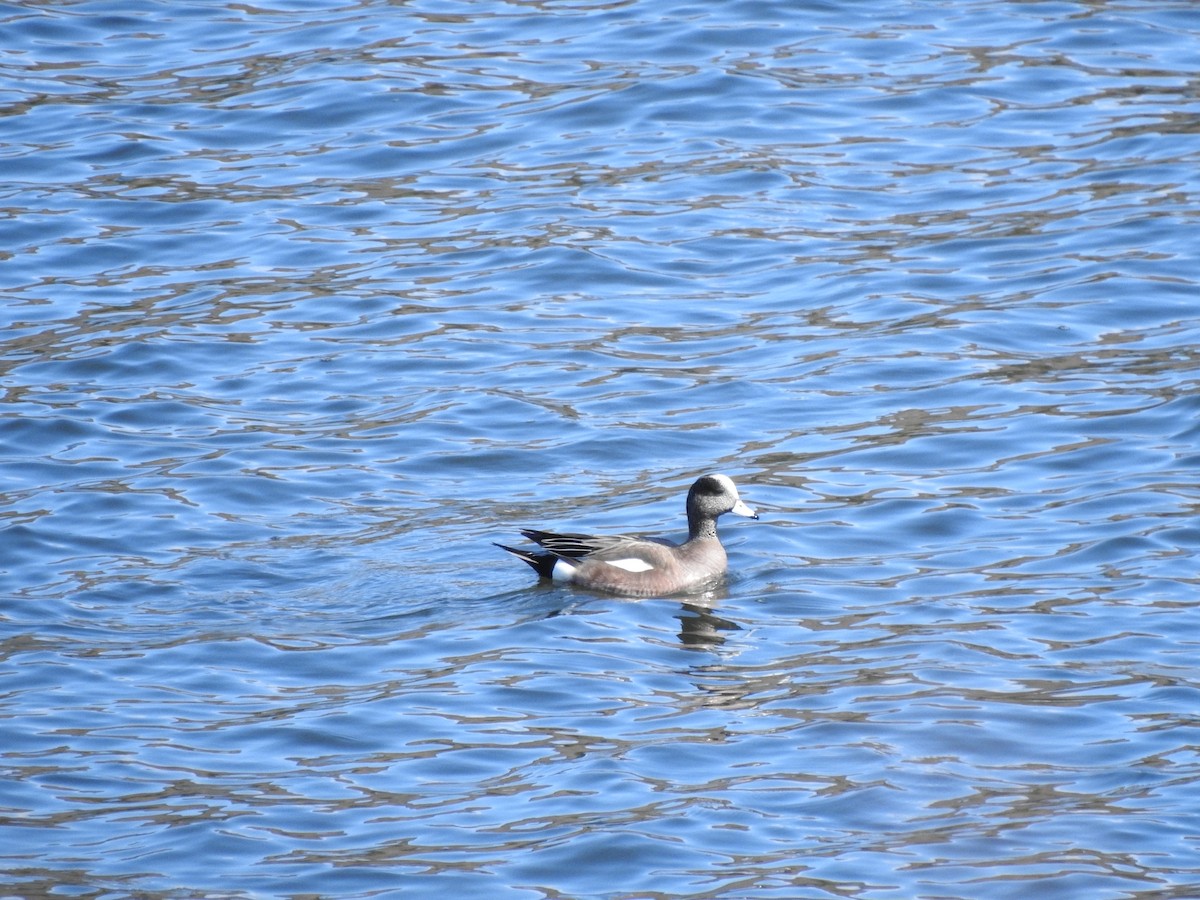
540,562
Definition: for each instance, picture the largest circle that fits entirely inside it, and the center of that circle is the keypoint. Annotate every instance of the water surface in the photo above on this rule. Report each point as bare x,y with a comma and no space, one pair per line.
306,304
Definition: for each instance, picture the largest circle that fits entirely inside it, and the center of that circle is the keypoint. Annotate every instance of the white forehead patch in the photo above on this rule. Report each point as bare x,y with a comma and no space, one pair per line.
632,564
727,483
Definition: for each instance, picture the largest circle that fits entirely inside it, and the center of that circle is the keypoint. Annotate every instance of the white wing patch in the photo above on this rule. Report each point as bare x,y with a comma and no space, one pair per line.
633,564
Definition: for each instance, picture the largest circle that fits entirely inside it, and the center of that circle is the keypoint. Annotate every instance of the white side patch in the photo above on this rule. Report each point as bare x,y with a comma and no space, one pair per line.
562,570
632,564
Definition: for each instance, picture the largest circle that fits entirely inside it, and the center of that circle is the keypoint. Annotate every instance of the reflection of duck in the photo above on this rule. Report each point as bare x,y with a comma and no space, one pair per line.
643,567
699,628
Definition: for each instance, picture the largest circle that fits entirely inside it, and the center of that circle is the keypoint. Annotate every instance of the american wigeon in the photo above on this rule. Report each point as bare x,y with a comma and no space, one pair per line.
643,567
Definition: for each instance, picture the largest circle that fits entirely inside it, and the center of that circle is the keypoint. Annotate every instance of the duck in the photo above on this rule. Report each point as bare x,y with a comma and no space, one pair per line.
642,567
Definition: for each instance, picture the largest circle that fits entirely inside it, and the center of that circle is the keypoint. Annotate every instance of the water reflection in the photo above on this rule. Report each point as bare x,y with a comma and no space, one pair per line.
701,628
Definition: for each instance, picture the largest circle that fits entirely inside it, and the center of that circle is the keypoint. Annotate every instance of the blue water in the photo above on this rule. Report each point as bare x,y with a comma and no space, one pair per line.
305,304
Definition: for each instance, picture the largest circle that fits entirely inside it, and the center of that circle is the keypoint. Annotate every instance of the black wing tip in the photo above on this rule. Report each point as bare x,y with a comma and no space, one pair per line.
542,563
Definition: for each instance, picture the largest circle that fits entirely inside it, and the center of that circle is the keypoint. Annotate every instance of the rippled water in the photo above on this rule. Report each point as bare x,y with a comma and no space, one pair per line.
306,304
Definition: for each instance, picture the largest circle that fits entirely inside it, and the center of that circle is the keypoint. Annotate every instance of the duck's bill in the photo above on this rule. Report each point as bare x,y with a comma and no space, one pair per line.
742,509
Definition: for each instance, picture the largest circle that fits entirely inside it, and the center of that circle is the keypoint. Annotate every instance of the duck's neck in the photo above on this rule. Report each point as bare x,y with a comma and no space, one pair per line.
701,528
